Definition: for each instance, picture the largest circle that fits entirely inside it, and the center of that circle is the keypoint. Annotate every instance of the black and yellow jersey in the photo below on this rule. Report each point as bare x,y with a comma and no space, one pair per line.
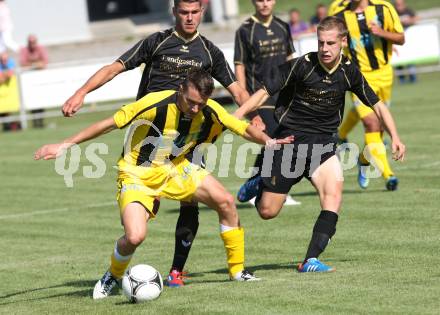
337,6
368,51
168,57
160,132
312,97
260,47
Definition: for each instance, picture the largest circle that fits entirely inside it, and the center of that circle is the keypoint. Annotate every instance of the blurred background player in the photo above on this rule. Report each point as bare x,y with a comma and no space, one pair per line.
320,14
408,17
33,56
297,26
373,28
262,42
168,56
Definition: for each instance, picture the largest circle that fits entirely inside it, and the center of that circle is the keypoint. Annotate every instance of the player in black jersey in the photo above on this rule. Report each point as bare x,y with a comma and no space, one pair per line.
168,56
262,42
310,107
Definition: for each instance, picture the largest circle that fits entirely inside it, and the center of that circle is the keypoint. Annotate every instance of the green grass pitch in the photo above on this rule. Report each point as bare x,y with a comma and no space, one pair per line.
56,241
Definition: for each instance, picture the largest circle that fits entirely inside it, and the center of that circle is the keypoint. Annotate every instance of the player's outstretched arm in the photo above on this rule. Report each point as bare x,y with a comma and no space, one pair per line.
51,151
387,120
255,135
101,77
252,104
240,96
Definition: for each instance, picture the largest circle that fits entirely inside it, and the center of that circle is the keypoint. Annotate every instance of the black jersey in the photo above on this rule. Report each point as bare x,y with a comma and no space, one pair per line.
312,97
260,47
168,57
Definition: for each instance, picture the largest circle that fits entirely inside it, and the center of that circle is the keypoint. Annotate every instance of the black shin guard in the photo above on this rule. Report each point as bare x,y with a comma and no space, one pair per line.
186,230
324,229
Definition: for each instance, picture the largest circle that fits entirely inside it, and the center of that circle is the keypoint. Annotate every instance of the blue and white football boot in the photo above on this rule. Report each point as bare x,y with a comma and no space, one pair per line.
314,265
249,189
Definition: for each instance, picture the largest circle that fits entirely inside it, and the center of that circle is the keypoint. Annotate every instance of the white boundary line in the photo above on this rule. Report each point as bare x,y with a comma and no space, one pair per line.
48,211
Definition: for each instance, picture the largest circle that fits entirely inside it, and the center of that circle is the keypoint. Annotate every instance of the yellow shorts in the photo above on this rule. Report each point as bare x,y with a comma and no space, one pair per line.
177,181
381,81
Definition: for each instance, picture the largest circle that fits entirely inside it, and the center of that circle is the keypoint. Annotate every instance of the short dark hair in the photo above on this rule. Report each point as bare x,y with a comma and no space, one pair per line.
177,2
332,22
294,10
201,80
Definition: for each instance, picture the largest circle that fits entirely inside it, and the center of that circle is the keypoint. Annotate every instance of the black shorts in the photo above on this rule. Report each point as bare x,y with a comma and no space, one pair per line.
267,115
294,161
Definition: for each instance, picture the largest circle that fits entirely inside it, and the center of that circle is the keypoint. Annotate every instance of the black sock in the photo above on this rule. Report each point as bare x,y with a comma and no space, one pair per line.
324,229
258,164
186,230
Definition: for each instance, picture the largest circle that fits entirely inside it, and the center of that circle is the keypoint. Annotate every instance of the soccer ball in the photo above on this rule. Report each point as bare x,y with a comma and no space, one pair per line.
142,283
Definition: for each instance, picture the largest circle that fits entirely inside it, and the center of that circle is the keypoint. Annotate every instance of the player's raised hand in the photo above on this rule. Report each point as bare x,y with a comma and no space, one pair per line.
286,140
398,150
273,142
73,104
49,151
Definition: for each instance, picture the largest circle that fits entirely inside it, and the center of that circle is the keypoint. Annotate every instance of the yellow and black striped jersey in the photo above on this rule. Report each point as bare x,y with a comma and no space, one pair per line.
337,6
160,132
368,51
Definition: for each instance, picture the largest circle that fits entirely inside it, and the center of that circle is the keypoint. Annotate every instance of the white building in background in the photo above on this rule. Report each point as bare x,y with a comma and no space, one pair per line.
66,21
54,21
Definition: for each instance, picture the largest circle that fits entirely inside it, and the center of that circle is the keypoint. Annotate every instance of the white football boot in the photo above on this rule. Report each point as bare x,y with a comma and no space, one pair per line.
244,275
105,286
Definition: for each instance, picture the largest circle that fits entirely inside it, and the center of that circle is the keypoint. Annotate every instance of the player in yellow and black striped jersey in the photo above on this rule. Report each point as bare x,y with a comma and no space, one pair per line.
168,55
164,127
172,133
374,26
161,134
367,50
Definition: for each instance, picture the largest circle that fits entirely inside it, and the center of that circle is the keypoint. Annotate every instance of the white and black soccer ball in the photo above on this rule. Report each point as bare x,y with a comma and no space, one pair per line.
142,283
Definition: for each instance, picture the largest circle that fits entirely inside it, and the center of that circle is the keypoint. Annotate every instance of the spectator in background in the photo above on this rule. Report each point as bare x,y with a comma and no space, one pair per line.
407,17
34,57
7,71
7,68
320,14
6,40
297,26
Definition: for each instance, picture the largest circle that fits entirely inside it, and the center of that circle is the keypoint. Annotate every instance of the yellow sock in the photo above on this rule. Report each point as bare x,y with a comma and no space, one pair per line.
378,153
118,264
234,245
349,122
